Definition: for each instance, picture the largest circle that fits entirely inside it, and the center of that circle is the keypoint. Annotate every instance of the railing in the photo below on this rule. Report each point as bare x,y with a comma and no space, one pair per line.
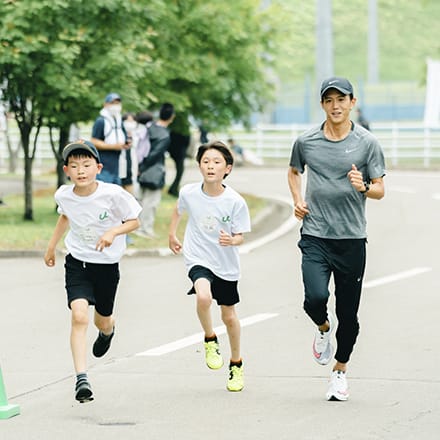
403,144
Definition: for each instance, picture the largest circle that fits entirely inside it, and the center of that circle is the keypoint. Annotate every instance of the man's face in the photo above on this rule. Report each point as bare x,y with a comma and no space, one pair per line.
114,107
337,106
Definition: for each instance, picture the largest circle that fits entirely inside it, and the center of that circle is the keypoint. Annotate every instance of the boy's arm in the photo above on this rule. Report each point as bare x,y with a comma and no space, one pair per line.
107,238
60,229
173,242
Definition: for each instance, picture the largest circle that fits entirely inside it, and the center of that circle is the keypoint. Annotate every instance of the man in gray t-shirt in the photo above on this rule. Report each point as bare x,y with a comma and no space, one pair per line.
345,166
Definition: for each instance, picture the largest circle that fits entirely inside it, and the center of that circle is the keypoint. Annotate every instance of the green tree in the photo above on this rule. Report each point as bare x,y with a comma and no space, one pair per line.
213,59
58,58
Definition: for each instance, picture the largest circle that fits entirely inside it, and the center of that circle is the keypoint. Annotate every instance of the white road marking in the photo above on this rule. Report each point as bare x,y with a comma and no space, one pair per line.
396,277
198,337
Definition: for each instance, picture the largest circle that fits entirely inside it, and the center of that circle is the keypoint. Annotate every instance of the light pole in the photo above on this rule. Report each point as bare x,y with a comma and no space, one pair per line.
324,47
373,43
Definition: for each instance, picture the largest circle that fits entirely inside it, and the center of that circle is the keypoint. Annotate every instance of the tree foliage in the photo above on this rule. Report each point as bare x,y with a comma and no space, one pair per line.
58,59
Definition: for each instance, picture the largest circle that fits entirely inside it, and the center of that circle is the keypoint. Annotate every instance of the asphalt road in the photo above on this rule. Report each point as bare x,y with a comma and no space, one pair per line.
153,384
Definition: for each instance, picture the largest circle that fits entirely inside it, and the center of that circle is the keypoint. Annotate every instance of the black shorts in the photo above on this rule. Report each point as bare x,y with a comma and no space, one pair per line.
97,283
223,291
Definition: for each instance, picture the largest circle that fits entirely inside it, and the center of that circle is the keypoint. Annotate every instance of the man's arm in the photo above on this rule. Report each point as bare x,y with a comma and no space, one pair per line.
376,188
300,206
97,137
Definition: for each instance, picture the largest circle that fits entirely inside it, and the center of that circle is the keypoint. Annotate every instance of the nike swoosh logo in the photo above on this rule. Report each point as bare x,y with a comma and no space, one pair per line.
332,82
350,151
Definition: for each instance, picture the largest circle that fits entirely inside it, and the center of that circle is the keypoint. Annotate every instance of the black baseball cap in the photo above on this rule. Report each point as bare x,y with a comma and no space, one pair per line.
81,145
343,85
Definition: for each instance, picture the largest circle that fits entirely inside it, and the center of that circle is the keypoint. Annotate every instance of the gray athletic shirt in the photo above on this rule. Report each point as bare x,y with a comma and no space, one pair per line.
337,210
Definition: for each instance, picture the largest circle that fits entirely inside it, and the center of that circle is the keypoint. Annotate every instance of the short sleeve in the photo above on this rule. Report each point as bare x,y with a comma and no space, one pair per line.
296,157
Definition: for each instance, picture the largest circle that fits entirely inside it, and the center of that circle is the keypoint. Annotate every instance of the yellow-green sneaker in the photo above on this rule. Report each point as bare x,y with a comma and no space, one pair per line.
213,357
236,380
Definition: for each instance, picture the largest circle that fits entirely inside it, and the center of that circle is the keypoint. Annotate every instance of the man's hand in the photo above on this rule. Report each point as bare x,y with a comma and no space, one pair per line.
301,210
356,179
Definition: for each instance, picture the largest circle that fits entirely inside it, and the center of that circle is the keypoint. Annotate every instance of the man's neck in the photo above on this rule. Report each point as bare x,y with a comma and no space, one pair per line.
163,123
337,132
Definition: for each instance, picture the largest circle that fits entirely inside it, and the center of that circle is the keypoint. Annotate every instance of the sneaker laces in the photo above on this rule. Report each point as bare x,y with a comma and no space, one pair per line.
321,340
213,348
235,372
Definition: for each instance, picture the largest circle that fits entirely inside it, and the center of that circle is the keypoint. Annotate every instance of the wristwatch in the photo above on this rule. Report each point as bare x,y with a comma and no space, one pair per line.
367,188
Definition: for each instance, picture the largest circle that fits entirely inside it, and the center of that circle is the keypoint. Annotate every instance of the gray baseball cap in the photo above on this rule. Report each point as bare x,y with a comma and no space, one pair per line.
338,83
112,97
81,145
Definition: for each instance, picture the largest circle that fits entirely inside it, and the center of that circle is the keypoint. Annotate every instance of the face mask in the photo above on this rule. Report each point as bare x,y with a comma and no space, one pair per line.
130,125
114,109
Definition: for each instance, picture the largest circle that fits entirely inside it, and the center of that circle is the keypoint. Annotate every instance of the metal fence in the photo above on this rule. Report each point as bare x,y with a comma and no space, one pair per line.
404,144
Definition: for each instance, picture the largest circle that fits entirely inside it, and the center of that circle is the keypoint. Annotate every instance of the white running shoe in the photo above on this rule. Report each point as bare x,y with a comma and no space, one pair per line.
338,388
322,347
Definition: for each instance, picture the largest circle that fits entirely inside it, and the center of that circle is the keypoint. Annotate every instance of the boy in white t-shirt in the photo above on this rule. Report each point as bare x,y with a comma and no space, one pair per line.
99,215
217,218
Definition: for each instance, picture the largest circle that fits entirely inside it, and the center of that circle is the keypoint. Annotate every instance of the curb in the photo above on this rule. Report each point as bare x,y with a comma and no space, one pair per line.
271,222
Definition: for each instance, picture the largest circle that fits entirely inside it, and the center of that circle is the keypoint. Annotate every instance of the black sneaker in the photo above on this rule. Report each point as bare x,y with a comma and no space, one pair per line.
102,344
83,391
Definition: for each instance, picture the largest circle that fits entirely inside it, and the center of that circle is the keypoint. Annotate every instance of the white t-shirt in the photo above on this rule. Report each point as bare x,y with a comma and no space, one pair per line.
90,216
206,217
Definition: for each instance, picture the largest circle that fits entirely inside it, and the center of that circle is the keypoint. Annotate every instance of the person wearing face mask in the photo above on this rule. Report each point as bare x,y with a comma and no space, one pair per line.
110,138
127,160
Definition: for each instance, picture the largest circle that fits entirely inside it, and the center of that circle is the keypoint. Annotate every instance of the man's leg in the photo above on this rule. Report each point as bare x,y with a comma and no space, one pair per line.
150,201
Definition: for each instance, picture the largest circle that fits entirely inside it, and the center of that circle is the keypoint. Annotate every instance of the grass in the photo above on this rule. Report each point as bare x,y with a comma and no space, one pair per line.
19,234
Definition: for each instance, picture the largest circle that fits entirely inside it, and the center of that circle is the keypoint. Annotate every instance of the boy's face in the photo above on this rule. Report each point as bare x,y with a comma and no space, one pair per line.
213,166
82,170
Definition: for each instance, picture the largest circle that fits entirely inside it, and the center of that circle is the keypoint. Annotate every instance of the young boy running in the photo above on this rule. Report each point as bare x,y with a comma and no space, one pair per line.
99,215
217,218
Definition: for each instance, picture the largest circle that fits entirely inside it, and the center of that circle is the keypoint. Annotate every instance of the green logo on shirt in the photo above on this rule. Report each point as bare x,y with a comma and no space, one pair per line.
103,216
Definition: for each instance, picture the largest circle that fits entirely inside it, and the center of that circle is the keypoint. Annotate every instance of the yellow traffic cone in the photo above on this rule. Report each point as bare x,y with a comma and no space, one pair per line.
6,410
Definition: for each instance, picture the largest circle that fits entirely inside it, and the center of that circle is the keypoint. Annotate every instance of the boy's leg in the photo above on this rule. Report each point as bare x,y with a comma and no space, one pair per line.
104,324
230,319
213,358
202,287
78,343
78,335
106,327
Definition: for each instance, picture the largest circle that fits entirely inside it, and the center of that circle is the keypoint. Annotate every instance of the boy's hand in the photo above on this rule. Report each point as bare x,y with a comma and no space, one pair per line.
174,244
225,239
49,258
105,241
